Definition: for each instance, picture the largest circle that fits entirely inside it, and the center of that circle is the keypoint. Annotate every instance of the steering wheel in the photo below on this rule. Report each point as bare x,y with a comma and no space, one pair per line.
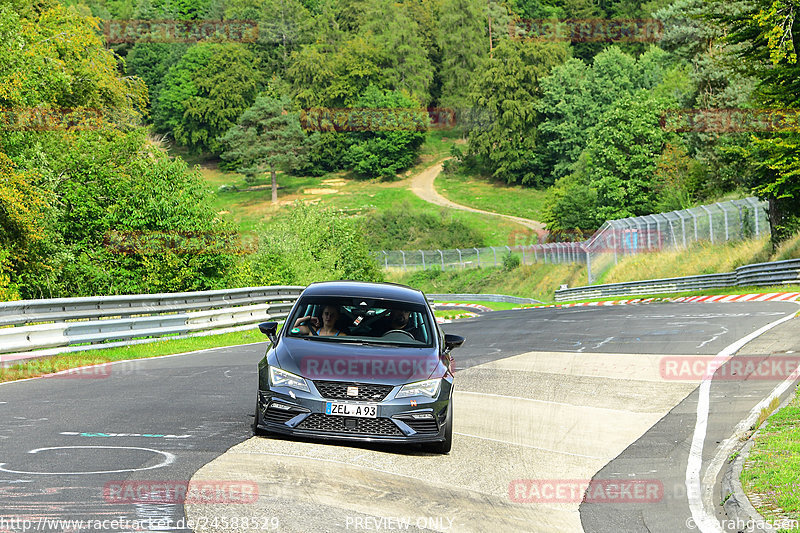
404,332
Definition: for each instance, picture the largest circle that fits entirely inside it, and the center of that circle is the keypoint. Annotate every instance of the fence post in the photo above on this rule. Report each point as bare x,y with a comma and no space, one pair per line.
461,261
495,255
710,223
754,203
385,259
423,259
535,257
479,256
588,264
683,226
725,213
404,259
442,256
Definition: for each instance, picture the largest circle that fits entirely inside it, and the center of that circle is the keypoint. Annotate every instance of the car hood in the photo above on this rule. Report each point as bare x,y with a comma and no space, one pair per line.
389,365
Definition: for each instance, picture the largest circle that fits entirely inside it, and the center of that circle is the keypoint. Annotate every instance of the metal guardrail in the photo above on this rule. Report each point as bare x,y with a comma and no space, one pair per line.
758,274
37,328
483,298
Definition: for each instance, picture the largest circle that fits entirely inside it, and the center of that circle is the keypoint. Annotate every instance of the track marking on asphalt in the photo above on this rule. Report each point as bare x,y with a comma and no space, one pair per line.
168,460
604,341
529,446
549,402
705,521
715,337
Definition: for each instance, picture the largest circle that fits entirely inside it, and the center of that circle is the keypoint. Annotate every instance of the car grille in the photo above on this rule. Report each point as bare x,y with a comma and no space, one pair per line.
337,390
422,426
363,426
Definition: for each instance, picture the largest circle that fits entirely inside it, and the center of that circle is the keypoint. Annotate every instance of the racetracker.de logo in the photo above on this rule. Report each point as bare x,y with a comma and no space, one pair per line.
347,119
191,492
730,120
594,30
696,368
179,242
388,367
101,371
179,31
589,491
47,119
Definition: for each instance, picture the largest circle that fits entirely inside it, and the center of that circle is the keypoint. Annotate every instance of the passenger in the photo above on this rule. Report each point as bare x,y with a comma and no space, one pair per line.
330,314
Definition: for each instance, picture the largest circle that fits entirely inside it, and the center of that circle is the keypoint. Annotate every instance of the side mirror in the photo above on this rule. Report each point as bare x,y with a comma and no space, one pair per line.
452,341
270,329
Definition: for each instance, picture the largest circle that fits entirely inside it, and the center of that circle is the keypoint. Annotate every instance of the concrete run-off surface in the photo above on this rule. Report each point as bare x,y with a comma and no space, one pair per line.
535,416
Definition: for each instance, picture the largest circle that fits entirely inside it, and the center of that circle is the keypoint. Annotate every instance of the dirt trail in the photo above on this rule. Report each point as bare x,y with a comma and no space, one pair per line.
422,186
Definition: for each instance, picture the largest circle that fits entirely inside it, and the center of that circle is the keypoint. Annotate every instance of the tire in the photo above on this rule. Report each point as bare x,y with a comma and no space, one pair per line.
446,445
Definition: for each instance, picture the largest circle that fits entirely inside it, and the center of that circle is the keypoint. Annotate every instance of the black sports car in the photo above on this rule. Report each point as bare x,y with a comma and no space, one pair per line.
359,361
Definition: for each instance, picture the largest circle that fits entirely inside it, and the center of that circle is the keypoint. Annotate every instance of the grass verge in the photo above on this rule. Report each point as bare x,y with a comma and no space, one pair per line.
771,472
515,200
57,363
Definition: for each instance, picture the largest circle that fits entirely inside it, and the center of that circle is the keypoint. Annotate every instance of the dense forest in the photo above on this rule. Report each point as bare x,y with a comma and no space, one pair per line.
584,117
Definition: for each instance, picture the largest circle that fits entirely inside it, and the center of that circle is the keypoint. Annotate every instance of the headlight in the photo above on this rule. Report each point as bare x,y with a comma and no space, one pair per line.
282,378
429,387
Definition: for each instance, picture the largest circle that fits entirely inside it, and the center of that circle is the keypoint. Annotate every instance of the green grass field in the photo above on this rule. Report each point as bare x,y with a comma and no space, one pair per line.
772,470
56,363
525,202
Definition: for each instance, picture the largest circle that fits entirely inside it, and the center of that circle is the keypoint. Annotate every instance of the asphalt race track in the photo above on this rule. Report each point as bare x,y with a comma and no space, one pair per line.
547,400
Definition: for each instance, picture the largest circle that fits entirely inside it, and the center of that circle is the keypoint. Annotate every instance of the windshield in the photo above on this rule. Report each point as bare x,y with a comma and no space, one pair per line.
345,319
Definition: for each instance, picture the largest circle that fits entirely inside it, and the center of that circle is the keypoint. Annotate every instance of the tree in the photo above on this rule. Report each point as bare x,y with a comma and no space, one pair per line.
621,156
509,89
461,39
384,149
404,63
768,35
205,92
266,137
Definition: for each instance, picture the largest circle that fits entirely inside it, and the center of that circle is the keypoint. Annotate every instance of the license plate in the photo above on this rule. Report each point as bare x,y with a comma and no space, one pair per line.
359,410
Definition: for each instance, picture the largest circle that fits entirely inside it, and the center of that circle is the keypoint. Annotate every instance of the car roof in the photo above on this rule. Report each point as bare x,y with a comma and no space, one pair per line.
359,289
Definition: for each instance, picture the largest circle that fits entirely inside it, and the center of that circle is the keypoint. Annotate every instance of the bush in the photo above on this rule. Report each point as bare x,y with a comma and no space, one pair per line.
310,244
510,261
404,227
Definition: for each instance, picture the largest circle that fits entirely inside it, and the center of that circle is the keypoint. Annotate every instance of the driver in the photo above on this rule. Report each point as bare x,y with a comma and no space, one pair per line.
398,319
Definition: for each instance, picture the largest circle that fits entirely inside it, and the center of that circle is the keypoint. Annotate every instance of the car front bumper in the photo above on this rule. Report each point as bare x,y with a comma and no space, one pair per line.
303,414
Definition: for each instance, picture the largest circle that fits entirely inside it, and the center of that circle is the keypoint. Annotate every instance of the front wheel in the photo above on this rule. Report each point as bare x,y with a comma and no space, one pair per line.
446,445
